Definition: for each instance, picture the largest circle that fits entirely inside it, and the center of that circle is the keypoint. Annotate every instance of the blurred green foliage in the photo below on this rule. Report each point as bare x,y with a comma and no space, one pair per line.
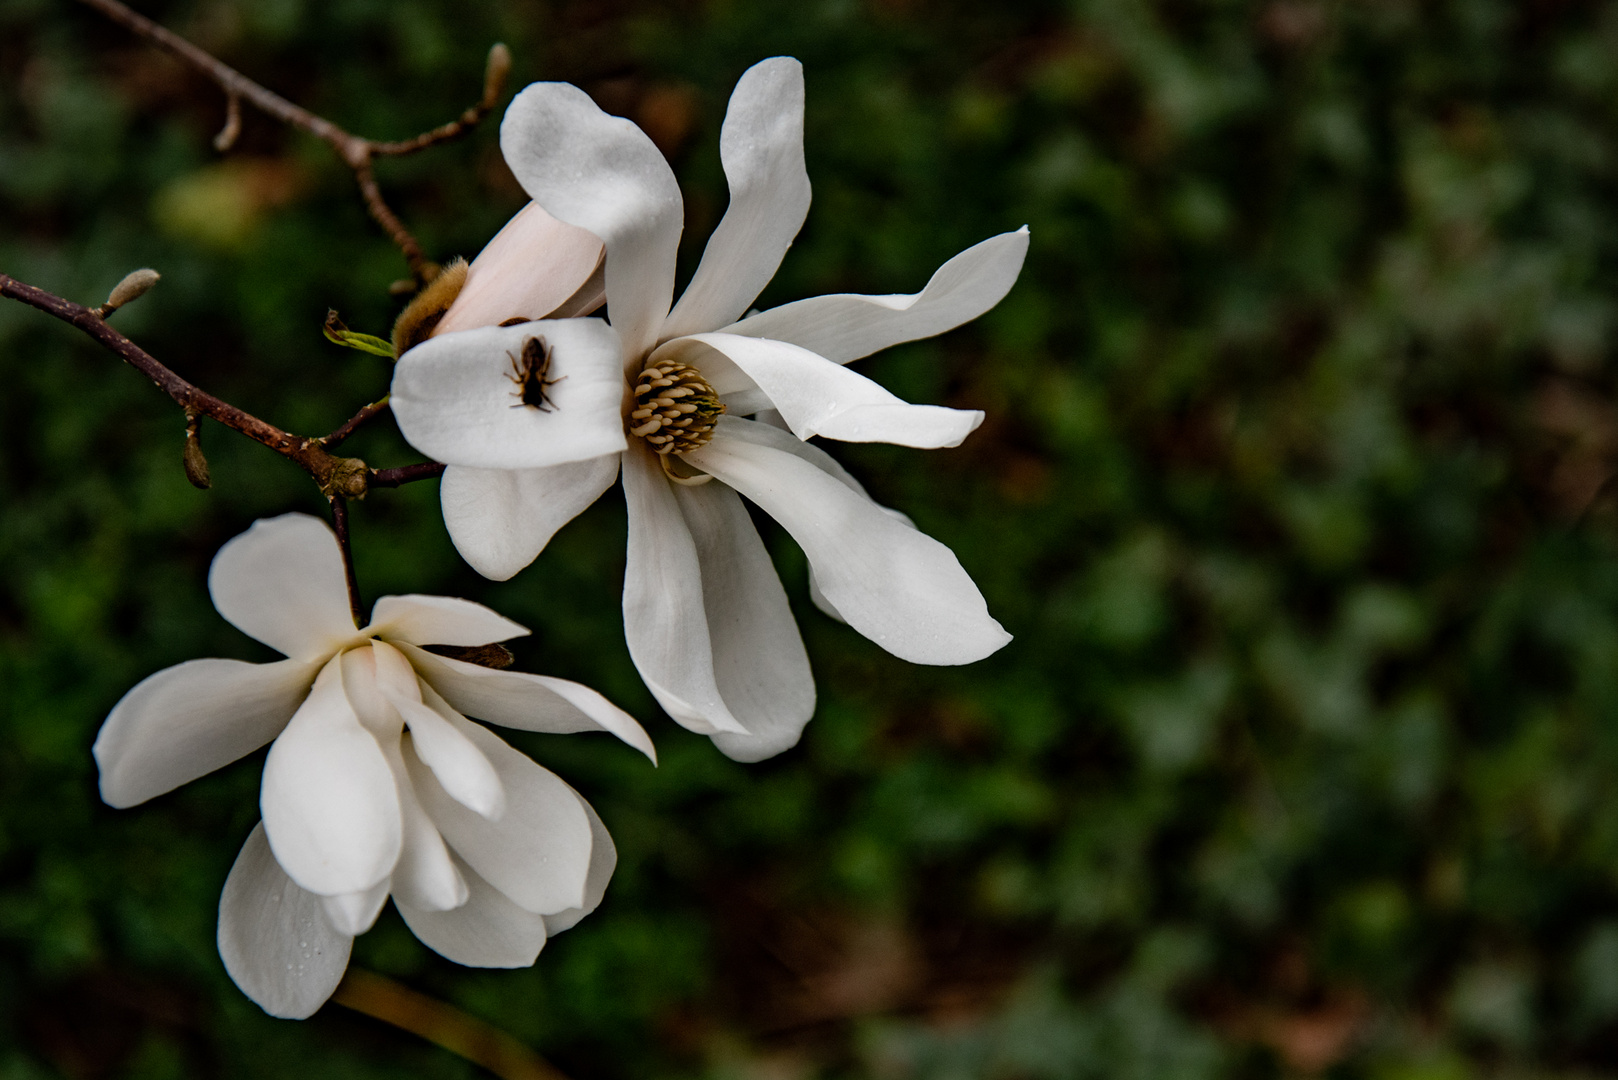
1295,492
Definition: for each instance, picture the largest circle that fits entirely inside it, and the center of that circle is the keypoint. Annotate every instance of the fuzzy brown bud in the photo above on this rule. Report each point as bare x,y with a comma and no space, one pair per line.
196,464
134,285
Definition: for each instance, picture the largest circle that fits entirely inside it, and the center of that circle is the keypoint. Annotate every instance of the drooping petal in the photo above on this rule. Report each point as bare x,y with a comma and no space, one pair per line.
761,146
440,620
274,937
516,699
847,326
487,931
815,594
463,771
538,853
459,397
664,620
897,586
531,267
282,582
758,658
501,519
426,877
818,397
188,720
603,861
330,808
603,174
354,913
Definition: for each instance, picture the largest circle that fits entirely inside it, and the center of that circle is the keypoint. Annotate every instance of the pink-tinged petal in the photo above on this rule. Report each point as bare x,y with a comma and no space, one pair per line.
664,620
846,326
354,913
426,877
282,582
538,853
459,397
488,931
440,620
330,808
532,267
274,937
818,397
516,699
761,145
603,861
186,721
758,658
897,586
501,519
603,174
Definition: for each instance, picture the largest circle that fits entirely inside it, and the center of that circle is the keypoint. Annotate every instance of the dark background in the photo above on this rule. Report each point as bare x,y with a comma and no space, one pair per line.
1294,491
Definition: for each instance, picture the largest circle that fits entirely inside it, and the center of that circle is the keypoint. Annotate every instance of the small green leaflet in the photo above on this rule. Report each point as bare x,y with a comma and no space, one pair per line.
339,334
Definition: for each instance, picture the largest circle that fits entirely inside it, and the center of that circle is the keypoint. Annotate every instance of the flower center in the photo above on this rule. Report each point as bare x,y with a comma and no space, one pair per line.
675,408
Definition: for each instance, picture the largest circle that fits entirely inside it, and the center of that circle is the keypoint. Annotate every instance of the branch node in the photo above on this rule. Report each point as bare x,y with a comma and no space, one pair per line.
343,478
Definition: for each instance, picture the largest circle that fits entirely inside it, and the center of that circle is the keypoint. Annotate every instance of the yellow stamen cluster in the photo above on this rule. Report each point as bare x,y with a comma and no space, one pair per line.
675,408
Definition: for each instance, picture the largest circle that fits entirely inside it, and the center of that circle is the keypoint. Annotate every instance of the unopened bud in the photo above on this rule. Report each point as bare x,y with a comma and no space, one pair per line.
495,72
132,287
196,465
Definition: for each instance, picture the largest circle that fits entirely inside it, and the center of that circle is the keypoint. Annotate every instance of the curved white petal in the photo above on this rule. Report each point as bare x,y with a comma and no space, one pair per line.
487,931
459,397
330,808
464,772
274,937
538,853
282,582
188,720
603,174
440,620
815,594
664,620
761,145
426,877
847,326
758,658
816,396
516,699
529,270
897,586
501,519
603,861
354,913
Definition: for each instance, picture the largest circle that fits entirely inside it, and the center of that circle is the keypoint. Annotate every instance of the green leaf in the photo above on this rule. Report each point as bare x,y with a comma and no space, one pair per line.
339,334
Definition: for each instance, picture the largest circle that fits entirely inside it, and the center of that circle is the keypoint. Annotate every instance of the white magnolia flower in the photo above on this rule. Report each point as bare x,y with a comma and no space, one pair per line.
376,783
706,618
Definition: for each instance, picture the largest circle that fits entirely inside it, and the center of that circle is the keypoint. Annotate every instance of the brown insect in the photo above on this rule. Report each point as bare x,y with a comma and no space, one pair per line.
531,374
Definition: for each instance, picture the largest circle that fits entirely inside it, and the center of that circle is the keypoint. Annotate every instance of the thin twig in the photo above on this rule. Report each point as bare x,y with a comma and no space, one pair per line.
471,1038
337,476
405,474
339,522
354,423
356,152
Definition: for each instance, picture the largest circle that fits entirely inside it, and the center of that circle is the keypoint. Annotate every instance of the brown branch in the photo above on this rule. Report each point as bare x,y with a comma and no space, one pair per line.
433,1020
337,476
355,422
356,152
392,478
339,523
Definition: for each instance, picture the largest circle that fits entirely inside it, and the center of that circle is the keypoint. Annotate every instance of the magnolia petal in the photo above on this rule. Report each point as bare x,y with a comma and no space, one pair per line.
603,861
458,397
516,699
664,620
282,583
758,658
897,586
818,397
354,913
487,931
761,145
426,876
374,712
815,594
188,720
501,519
532,267
440,620
538,853
330,808
603,174
847,326
274,937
